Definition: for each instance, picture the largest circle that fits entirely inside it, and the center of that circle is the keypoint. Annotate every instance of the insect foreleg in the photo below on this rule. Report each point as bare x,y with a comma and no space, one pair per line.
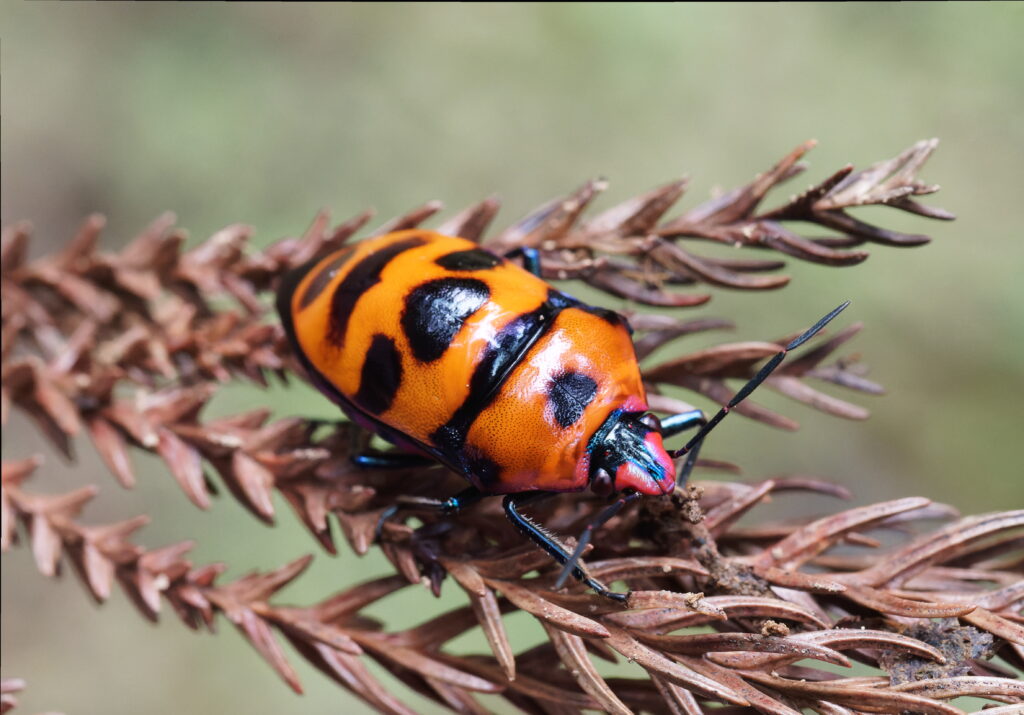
675,424
545,541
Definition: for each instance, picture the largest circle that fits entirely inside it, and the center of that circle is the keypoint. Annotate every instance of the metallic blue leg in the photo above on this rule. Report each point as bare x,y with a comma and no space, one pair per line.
675,424
455,504
367,458
447,507
391,460
537,534
530,256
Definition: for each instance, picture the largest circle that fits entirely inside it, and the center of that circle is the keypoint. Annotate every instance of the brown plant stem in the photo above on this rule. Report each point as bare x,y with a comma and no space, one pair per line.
130,347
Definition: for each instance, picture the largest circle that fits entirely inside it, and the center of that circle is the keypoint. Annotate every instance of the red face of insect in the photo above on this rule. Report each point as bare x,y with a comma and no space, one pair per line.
653,474
628,454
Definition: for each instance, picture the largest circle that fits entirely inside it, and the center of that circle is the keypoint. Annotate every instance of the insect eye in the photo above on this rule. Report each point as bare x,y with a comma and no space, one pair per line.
651,421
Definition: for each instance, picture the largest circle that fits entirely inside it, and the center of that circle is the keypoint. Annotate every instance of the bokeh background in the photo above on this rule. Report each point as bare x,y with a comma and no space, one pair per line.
264,114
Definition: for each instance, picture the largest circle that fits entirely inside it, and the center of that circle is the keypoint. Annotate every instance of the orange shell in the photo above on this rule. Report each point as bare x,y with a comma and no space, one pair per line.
362,320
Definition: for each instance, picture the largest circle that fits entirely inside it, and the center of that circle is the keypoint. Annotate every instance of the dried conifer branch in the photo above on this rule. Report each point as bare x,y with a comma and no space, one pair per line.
9,687
78,324
748,660
130,347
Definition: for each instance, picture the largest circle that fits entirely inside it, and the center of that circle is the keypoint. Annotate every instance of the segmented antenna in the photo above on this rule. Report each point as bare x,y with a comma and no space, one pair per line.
757,379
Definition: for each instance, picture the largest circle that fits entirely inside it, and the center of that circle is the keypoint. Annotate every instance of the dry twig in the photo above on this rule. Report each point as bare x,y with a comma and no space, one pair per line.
130,347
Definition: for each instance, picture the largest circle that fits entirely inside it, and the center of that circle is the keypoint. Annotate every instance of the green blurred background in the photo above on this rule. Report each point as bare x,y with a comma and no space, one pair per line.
264,114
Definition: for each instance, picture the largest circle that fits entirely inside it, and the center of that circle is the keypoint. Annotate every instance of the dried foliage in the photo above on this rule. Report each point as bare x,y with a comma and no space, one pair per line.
129,347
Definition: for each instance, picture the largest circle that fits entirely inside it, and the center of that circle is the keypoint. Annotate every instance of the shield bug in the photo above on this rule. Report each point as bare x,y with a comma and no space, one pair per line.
461,356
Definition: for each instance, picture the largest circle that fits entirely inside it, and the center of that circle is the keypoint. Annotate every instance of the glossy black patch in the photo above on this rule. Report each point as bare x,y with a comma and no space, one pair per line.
561,301
473,259
569,394
381,375
284,297
363,276
435,312
324,275
609,316
485,470
497,362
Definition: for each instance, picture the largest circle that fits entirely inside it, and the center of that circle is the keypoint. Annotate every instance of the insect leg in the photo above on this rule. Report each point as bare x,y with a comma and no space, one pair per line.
449,506
544,540
673,425
597,522
455,504
762,374
530,256
391,460
363,456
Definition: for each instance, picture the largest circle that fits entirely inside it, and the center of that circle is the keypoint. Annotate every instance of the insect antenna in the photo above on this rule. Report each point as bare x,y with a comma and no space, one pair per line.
752,384
598,521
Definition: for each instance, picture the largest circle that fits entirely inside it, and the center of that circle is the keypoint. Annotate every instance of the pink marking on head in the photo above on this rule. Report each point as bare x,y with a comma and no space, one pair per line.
631,476
634,404
656,449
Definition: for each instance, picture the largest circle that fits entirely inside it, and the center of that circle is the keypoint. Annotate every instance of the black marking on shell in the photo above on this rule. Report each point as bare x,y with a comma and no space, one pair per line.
323,276
485,470
507,349
363,276
609,316
286,290
569,395
381,375
472,259
435,312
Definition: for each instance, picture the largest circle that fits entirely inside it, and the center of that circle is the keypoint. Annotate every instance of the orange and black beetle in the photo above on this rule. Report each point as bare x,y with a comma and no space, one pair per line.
455,354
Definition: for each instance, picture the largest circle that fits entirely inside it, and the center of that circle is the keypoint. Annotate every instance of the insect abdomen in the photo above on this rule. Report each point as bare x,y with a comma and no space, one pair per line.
398,332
